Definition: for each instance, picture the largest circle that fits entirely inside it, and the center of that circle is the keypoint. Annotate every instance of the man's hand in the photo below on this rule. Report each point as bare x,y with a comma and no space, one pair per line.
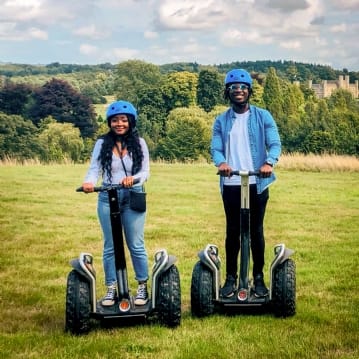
266,170
224,169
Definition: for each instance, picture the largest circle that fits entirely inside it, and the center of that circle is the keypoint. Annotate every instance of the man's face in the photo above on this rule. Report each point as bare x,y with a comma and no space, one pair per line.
238,92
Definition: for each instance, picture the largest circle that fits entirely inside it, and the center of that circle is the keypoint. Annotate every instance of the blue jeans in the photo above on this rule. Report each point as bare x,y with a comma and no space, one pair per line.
133,223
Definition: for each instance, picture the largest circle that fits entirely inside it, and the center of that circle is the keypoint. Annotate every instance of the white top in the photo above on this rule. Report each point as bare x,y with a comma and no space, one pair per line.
118,173
238,152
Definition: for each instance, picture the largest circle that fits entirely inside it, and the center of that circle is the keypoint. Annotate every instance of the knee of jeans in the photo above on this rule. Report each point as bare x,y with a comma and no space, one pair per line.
137,250
108,252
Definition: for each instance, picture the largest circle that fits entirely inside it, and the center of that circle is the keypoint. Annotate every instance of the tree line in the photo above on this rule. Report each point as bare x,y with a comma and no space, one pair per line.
56,120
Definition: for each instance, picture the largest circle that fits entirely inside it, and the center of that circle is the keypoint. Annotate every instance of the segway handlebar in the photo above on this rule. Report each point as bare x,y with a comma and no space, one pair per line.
240,173
108,187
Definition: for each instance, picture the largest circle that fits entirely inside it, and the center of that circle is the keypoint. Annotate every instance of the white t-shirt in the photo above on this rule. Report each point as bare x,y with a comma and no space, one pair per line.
239,156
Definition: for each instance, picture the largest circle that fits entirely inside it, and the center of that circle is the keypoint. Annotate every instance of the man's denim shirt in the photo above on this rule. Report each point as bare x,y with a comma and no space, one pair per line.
265,145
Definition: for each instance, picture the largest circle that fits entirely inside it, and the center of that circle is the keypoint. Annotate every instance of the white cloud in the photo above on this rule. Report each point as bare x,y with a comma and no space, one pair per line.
189,14
346,4
92,32
295,45
339,28
120,54
87,49
10,32
233,37
37,34
150,34
320,41
162,31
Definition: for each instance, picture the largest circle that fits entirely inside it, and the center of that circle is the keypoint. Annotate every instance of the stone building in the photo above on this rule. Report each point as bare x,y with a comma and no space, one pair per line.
326,88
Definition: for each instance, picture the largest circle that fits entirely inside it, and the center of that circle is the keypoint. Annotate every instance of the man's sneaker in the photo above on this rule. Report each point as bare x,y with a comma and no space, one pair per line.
110,297
229,287
142,294
260,290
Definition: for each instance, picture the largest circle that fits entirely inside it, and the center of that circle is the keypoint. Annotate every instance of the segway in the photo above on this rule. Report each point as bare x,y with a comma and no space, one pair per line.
81,305
206,277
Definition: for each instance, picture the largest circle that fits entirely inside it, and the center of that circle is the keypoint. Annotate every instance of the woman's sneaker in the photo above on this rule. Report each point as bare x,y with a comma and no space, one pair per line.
142,294
110,297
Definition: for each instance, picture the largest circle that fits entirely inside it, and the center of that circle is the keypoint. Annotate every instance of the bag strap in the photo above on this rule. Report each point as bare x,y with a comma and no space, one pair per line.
120,154
123,165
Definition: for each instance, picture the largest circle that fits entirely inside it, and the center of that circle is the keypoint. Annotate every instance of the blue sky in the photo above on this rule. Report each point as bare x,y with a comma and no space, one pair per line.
167,31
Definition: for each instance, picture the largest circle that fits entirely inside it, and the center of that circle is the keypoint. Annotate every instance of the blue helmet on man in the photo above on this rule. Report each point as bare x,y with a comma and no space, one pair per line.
238,75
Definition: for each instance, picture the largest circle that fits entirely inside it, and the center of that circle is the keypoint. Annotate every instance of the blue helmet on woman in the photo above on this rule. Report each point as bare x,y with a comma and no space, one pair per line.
238,75
121,107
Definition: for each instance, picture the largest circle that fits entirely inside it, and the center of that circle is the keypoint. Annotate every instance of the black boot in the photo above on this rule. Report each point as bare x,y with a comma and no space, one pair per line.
229,287
260,290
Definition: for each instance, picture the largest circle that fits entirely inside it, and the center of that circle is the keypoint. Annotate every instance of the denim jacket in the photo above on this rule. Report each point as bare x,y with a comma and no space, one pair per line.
265,145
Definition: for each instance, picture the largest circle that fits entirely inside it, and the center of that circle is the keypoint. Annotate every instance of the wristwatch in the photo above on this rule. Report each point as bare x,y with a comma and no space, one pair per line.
268,163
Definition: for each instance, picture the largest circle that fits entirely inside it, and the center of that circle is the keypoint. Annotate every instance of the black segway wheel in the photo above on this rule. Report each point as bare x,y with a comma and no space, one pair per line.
284,284
202,292
78,305
169,297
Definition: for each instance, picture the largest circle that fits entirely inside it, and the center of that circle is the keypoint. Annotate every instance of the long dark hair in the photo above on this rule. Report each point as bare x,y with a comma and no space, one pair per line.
130,141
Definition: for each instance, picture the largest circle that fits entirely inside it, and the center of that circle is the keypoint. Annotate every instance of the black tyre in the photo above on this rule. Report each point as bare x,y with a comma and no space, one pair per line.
202,292
284,284
78,305
169,297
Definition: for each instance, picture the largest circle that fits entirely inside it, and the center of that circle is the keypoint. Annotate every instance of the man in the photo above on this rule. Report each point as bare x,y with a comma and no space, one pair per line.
245,137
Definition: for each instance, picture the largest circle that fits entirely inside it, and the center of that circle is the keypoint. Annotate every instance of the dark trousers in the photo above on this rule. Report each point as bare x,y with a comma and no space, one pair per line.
232,205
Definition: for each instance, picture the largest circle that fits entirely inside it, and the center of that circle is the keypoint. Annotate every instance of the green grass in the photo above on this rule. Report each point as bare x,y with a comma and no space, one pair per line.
44,223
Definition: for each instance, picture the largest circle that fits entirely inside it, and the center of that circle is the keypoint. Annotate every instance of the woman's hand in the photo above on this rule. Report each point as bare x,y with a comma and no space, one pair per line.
88,187
127,182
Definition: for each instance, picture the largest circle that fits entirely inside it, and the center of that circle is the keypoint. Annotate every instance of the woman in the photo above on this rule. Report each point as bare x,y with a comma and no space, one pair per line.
121,156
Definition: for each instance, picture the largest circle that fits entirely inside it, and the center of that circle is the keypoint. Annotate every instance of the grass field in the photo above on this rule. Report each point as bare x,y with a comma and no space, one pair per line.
44,223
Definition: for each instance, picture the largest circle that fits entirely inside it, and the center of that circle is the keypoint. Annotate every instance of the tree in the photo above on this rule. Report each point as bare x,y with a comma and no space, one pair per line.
18,138
188,136
273,95
321,116
14,98
60,101
344,121
292,73
257,96
152,116
342,100
347,134
319,142
60,141
133,77
180,89
209,89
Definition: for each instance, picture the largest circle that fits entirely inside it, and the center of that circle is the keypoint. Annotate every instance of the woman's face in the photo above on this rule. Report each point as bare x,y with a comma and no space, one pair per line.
120,124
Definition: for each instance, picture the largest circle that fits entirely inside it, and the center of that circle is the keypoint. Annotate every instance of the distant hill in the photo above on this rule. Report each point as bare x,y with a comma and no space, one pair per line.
288,69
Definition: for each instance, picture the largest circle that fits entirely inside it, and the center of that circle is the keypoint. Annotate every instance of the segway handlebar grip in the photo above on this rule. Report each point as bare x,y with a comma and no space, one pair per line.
246,173
106,188
240,173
